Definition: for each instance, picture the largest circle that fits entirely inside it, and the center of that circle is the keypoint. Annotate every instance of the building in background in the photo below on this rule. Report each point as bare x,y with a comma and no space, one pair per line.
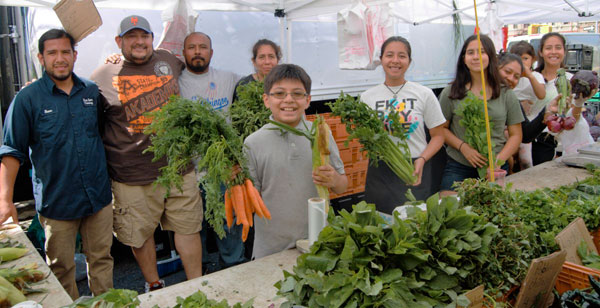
562,27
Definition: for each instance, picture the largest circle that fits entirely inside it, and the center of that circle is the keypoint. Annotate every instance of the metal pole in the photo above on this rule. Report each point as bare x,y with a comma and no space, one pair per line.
23,76
282,38
289,40
6,71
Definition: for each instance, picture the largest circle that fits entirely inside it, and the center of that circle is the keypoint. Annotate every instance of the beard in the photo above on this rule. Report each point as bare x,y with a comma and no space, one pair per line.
50,71
59,77
197,68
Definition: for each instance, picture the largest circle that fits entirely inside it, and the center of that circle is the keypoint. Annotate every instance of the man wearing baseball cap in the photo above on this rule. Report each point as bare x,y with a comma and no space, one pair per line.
143,83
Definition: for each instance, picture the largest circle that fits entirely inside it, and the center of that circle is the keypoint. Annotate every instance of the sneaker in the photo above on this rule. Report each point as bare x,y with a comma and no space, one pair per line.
159,284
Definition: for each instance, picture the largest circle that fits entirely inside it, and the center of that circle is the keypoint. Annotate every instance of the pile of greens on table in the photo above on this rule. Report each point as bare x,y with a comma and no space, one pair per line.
425,261
489,237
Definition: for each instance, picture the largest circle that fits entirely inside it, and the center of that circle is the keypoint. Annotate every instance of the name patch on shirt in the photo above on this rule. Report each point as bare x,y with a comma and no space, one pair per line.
88,101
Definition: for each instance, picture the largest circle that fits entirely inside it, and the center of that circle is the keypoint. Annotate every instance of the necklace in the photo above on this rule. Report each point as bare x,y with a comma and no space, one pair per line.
395,93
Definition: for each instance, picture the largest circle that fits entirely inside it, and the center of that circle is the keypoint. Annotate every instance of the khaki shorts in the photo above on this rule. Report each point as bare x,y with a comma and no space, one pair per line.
139,209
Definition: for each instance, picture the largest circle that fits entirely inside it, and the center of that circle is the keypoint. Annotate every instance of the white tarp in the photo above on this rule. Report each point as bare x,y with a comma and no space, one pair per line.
413,11
427,24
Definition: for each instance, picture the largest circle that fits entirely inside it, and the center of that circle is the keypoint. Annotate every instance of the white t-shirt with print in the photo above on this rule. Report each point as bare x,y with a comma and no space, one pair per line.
416,105
215,86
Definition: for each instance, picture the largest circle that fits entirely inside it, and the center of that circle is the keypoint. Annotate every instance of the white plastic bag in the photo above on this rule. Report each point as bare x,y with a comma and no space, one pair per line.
179,20
575,138
353,46
362,30
380,26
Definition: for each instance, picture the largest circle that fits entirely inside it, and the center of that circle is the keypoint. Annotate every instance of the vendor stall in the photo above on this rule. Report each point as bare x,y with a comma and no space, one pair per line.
263,273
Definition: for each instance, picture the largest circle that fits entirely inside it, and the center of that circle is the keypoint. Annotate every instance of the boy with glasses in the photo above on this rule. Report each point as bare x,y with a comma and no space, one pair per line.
280,163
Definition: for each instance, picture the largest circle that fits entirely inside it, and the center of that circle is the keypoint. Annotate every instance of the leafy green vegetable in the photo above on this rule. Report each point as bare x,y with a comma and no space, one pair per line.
472,111
248,112
113,298
563,86
364,124
588,257
184,130
516,243
199,299
580,298
420,262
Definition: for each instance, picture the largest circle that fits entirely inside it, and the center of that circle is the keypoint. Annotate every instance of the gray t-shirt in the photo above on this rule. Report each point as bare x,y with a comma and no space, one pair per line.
215,86
503,110
281,166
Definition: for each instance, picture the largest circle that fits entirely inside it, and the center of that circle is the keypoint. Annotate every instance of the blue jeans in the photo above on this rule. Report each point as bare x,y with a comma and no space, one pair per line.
230,247
457,172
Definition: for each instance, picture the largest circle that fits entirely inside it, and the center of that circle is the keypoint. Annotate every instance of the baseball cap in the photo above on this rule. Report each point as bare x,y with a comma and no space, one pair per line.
134,22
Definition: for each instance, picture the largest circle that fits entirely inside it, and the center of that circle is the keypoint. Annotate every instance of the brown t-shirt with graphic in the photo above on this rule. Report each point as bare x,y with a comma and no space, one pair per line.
131,90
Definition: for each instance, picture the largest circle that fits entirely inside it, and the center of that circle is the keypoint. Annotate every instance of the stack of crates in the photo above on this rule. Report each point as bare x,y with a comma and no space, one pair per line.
355,161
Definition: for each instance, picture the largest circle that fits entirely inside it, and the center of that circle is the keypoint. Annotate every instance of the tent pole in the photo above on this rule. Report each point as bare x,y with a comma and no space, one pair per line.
282,38
579,12
289,41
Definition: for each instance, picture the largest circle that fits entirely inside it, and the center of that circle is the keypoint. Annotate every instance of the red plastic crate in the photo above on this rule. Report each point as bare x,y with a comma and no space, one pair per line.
574,276
596,237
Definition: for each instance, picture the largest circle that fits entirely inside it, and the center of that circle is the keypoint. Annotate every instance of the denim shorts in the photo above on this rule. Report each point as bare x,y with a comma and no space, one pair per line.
457,172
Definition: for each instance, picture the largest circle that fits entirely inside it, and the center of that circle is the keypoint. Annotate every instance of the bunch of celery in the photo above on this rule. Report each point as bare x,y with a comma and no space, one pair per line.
364,124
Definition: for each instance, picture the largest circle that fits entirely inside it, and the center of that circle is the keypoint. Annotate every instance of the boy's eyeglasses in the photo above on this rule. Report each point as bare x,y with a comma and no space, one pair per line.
282,95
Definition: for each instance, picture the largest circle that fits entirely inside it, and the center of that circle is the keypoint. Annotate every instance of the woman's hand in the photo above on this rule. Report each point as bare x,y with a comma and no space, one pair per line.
418,163
473,157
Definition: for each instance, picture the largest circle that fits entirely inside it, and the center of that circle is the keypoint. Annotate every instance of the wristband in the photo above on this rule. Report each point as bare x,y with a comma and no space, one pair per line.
424,160
460,146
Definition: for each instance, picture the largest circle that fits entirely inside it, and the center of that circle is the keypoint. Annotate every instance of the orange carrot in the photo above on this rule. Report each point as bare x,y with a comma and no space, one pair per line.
248,206
245,230
228,208
238,205
264,209
251,191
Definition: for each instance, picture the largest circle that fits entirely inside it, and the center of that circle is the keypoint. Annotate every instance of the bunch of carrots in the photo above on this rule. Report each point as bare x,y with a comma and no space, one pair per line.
185,130
244,200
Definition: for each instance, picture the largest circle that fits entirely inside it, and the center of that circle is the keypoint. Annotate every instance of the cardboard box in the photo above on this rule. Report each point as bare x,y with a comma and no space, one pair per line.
570,238
79,17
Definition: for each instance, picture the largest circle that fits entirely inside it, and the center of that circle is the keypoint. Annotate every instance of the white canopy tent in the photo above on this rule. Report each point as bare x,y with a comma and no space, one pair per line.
410,11
315,44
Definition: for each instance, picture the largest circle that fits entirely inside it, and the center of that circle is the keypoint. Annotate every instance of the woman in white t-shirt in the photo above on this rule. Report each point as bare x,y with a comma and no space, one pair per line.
530,90
419,108
551,59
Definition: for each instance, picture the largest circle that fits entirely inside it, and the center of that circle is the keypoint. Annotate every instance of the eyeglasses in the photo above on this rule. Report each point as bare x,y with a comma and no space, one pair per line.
295,95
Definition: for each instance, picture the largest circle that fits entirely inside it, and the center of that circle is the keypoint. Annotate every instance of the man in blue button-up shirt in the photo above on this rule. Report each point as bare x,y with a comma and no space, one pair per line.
55,121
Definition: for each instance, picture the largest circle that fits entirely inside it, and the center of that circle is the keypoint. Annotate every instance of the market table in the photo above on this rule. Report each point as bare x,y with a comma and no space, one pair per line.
256,278
239,283
56,295
551,174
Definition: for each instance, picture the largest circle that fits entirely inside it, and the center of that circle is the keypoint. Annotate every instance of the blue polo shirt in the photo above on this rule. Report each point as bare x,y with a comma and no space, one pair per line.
59,132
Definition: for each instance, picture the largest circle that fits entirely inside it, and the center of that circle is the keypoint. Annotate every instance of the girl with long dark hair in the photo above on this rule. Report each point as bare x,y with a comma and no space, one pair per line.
503,110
